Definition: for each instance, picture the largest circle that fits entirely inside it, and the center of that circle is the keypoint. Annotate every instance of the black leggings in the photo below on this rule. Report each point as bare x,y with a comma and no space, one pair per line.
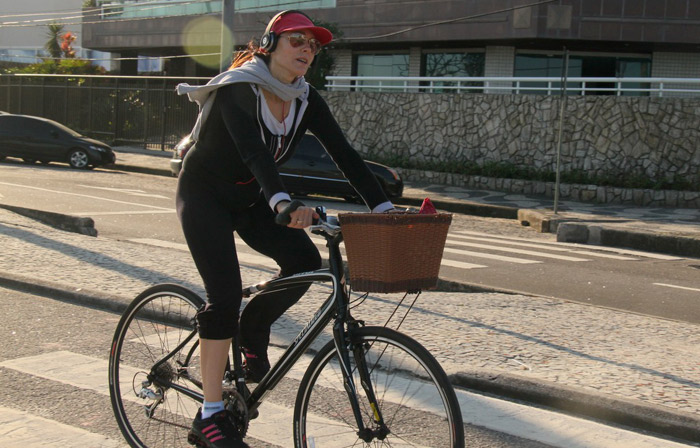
208,222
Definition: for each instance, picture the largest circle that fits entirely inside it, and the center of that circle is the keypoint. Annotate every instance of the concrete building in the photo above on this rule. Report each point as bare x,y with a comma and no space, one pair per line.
606,38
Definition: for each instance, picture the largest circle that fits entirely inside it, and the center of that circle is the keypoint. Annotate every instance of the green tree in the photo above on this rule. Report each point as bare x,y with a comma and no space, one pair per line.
61,66
52,45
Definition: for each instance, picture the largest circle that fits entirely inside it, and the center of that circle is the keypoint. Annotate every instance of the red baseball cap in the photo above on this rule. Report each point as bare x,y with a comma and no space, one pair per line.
294,21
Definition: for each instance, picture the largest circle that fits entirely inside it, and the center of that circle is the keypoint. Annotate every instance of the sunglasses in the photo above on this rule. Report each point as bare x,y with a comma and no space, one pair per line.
297,40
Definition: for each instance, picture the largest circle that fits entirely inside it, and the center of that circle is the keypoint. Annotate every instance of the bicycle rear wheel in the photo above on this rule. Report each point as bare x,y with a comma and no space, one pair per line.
414,396
149,412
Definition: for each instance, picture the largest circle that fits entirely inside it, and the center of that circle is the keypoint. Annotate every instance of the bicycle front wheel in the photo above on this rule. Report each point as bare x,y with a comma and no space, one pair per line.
150,412
413,395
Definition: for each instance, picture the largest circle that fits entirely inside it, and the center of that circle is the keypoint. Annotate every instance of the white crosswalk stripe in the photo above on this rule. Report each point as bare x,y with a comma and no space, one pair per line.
89,373
516,251
20,429
603,255
576,246
460,264
491,256
547,245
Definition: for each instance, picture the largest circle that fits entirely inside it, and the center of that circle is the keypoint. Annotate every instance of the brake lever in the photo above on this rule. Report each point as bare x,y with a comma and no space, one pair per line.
322,215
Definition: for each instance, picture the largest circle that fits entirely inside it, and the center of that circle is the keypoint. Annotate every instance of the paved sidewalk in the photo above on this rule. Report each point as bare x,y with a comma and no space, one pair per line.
619,367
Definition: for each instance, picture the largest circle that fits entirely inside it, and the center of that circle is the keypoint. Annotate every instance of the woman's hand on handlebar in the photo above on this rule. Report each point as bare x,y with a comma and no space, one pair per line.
300,216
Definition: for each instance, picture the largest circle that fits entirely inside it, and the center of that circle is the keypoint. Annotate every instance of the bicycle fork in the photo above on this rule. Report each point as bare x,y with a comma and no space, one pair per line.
343,343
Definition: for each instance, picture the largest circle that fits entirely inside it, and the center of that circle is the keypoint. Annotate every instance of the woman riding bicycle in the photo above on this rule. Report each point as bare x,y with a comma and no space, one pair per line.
251,119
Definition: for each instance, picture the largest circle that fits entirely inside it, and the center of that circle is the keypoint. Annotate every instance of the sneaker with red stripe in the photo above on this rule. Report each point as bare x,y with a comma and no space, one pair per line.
217,431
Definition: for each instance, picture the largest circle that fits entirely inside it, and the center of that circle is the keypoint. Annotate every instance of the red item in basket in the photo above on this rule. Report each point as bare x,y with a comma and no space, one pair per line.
427,208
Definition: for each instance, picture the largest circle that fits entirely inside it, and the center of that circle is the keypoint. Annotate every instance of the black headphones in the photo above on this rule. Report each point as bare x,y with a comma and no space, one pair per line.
268,41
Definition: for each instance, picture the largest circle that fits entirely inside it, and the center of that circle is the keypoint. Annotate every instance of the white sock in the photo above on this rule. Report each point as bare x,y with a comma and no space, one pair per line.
210,408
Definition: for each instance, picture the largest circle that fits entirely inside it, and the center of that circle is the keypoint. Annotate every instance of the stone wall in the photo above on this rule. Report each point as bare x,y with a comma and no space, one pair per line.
602,135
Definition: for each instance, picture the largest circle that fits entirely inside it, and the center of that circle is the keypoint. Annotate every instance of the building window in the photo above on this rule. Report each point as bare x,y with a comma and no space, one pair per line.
391,65
149,64
130,9
280,5
22,55
536,66
586,66
452,65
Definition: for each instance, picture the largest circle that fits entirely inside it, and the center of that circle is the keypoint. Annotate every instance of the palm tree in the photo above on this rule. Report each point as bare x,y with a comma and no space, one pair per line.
52,45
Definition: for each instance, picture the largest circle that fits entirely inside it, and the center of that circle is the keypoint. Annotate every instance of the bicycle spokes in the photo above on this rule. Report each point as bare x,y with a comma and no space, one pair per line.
411,403
154,368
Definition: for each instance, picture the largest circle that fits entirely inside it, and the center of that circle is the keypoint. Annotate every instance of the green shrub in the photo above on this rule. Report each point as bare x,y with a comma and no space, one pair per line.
61,66
508,170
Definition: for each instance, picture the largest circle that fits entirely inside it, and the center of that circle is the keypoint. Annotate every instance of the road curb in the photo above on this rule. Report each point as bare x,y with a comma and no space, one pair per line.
634,414
592,233
82,225
139,169
543,221
59,292
572,229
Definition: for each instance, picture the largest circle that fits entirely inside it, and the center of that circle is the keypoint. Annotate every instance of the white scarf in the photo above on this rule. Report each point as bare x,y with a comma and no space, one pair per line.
254,71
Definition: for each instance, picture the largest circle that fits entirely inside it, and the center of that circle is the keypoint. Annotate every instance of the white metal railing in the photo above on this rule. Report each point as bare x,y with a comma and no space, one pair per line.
518,85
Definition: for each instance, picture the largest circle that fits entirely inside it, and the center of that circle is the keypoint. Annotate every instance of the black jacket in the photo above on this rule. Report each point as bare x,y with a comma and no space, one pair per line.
238,154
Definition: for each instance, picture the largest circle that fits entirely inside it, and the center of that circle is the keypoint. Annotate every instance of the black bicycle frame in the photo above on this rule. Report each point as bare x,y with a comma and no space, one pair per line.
306,336
336,305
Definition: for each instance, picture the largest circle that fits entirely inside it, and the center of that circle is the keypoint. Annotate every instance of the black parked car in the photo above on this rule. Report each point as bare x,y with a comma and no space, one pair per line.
311,170
39,139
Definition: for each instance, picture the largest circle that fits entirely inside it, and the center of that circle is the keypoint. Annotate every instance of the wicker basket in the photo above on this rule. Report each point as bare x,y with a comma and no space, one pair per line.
394,252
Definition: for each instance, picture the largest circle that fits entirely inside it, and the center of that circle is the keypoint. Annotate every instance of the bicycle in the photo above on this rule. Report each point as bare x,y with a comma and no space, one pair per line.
368,386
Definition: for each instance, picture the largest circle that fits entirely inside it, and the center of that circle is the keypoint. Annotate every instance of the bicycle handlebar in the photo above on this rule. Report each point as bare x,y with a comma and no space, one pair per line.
327,224
324,224
330,226
283,217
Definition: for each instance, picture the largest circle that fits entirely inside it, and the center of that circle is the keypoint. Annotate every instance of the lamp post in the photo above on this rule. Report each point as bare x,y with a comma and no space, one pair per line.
562,108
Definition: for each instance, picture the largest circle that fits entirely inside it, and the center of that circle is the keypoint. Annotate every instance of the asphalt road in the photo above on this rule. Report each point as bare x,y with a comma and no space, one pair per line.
489,252
53,373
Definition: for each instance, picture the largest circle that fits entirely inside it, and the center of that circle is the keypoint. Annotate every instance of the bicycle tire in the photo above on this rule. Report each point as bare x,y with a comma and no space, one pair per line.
414,395
155,322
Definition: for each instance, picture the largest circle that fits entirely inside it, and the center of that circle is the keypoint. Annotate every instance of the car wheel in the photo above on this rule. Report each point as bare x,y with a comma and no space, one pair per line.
78,159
